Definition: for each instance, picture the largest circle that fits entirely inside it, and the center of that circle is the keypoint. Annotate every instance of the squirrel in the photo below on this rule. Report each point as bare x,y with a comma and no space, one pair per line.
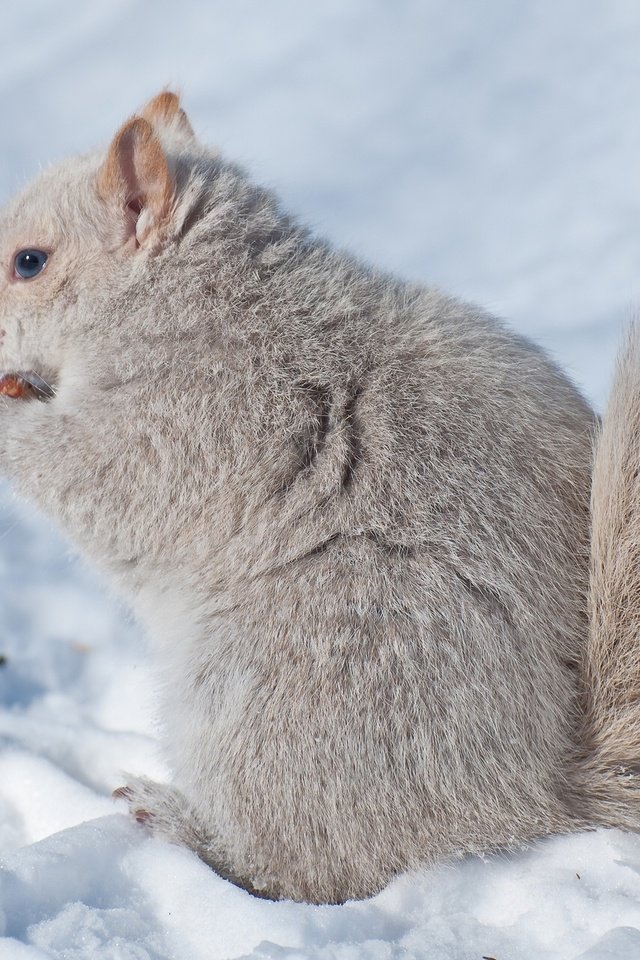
386,555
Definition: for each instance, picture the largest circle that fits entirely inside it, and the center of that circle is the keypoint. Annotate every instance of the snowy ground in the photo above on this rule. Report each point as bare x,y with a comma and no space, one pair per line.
492,147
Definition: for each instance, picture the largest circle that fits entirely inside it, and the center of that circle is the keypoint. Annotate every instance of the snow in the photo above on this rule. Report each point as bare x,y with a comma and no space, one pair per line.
492,148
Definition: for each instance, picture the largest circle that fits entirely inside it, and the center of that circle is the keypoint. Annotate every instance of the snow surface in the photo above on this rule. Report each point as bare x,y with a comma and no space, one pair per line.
491,147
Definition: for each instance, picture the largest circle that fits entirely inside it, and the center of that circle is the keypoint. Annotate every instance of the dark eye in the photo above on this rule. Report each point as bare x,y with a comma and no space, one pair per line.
29,263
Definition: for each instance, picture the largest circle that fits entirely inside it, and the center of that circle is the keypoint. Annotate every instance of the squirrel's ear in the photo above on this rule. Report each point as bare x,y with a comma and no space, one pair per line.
136,183
165,112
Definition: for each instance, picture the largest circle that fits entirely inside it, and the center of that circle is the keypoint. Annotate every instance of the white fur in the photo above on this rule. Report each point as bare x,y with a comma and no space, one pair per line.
353,514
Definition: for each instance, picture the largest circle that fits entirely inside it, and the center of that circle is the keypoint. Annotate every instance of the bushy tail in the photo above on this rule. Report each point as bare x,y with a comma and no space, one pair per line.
612,667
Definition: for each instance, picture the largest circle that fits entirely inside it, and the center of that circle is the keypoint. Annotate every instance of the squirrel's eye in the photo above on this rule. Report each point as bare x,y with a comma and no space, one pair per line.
29,263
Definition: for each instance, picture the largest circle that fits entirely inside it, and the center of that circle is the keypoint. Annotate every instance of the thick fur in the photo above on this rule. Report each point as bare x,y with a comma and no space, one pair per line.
352,513
612,658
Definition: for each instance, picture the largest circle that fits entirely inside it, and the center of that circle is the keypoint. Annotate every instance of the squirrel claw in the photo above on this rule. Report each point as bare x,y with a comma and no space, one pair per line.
143,817
121,793
139,814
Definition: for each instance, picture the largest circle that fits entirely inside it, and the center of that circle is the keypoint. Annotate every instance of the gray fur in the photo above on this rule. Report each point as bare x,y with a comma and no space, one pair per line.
352,513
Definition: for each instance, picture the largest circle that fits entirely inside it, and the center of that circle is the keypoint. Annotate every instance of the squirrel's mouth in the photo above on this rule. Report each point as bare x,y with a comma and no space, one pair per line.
26,385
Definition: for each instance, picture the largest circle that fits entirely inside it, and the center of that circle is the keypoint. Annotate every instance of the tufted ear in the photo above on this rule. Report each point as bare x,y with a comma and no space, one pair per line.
136,184
165,113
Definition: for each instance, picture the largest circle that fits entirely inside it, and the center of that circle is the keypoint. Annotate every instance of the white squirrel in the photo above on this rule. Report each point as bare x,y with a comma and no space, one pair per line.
353,514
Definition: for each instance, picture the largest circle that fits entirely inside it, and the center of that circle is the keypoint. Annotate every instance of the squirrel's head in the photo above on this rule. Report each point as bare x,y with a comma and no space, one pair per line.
85,231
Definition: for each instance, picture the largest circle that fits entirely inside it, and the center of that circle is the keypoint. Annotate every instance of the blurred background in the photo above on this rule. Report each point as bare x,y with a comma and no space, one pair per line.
491,148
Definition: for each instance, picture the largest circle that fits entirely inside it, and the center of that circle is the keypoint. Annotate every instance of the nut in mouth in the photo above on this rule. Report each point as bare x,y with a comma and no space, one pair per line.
25,385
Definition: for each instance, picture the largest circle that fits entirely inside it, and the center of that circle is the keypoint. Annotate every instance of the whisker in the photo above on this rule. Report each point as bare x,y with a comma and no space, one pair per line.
5,533
41,386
